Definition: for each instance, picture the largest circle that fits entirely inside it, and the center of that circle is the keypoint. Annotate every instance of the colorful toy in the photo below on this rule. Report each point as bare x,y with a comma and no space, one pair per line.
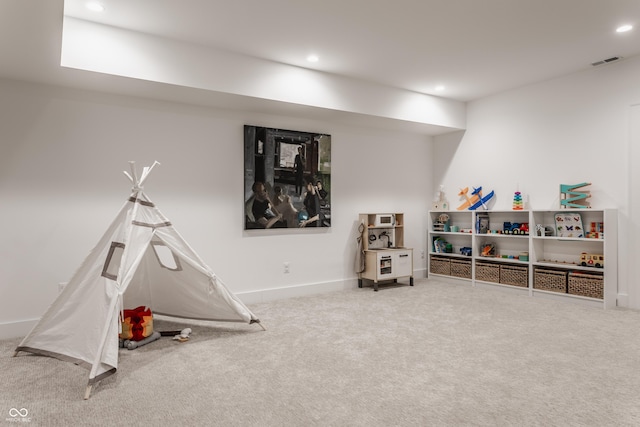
569,225
488,249
439,245
596,231
570,198
591,260
465,251
137,324
517,201
516,228
476,199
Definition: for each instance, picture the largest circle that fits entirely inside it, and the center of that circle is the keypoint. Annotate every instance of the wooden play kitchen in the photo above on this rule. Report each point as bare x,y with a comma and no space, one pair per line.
386,258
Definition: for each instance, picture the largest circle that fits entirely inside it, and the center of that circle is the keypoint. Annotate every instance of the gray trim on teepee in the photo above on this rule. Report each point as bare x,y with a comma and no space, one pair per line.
107,263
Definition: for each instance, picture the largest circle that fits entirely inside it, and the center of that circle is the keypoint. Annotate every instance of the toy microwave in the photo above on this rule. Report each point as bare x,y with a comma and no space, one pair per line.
385,220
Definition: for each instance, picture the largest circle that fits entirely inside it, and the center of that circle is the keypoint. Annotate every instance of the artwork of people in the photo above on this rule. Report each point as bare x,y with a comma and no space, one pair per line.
287,178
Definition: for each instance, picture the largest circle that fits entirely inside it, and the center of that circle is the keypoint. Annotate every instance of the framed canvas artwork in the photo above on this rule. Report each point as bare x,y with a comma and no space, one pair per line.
287,178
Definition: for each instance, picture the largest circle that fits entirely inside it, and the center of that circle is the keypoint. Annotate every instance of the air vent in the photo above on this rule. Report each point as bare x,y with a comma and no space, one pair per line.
607,61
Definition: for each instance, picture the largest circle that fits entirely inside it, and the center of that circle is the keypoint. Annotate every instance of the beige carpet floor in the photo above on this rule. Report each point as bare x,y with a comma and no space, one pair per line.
436,354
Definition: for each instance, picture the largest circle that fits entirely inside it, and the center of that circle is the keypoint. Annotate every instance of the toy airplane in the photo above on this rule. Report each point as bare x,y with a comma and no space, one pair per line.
467,203
476,200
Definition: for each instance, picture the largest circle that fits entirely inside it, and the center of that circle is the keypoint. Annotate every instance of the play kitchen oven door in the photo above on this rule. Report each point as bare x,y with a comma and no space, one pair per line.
385,265
403,263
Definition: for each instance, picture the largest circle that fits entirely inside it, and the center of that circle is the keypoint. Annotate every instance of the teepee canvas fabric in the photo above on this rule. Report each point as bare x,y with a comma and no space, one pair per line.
140,260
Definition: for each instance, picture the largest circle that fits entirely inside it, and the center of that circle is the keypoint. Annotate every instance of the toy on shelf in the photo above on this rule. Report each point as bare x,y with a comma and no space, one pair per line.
441,223
543,231
465,251
569,225
482,223
570,198
516,228
488,249
441,246
596,231
591,260
476,199
440,203
517,201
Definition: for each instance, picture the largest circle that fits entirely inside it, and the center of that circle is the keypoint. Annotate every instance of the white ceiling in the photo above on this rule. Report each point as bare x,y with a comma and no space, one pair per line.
474,47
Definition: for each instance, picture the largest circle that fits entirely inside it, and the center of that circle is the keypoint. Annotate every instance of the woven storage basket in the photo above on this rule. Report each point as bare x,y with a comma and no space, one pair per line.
461,268
514,275
487,272
440,265
550,280
586,284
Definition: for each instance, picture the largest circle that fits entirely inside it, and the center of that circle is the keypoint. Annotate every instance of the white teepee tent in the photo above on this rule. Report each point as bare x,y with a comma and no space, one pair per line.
140,260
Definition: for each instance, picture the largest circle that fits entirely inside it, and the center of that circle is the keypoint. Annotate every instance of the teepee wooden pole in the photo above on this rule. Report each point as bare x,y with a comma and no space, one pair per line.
87,392
132,167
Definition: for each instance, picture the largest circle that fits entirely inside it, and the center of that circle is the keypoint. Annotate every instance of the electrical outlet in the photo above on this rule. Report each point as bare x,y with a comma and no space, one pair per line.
286,268
422,254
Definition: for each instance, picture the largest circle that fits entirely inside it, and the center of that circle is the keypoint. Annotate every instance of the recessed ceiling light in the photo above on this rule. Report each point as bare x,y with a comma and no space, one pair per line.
95,6
624,28
440,88
313,58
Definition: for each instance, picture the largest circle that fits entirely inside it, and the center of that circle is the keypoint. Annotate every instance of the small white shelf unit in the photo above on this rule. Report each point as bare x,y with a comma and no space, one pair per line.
544,264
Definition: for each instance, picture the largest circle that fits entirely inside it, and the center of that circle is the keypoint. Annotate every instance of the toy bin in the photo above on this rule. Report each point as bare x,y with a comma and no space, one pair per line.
586,284
547,279
461,268
514,275
487,272
440,265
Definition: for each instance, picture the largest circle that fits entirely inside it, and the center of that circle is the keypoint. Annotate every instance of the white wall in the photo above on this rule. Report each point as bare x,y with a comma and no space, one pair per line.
567,130
62,152
61,183
633,231
95,47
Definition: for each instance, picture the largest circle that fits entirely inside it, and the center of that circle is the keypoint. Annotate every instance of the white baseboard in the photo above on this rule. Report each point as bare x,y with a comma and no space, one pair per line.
420,273
16,329
265,295
623,300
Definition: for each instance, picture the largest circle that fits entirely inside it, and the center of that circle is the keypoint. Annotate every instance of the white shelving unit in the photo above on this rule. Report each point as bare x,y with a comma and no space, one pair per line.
541,265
